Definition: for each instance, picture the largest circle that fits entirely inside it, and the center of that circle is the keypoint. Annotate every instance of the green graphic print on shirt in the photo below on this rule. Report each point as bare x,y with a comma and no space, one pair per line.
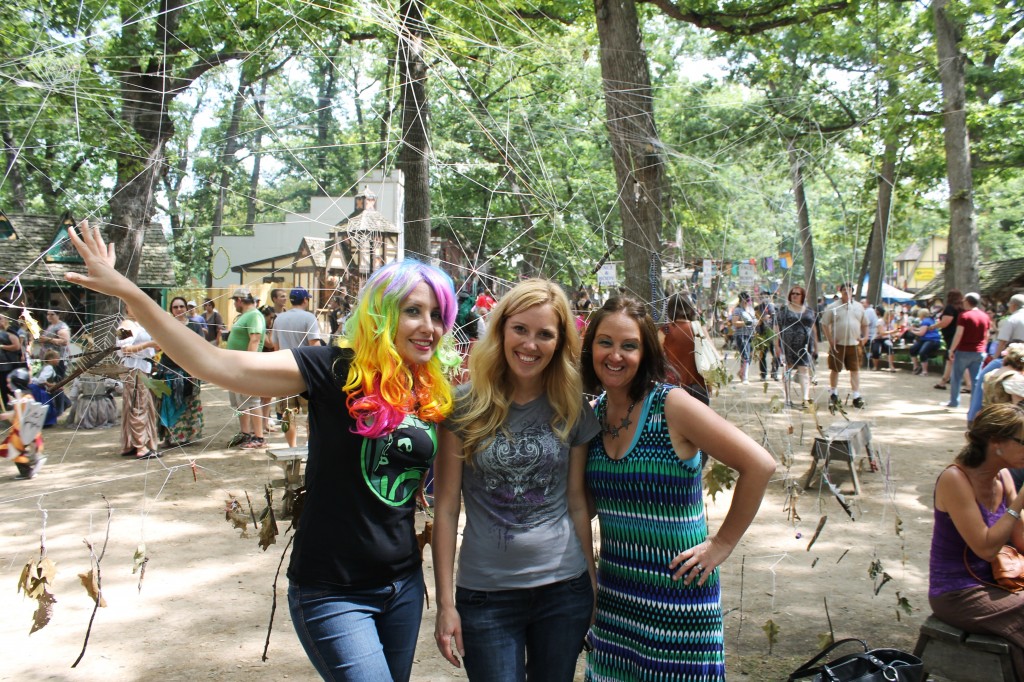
389,468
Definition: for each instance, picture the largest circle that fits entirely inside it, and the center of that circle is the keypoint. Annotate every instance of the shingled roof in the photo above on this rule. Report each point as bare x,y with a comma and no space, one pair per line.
24,256
999,280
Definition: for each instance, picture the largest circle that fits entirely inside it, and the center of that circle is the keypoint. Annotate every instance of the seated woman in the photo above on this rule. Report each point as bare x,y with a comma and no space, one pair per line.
977,511
927,344
42,388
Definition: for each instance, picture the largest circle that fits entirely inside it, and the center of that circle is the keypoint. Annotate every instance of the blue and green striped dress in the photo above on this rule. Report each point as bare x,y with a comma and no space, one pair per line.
650,506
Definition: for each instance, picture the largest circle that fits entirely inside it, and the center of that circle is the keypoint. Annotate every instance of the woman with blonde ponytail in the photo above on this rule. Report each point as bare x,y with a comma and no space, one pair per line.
977,511
515,449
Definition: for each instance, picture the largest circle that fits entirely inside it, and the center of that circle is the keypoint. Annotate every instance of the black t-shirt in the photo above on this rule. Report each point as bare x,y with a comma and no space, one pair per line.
949,331
358,524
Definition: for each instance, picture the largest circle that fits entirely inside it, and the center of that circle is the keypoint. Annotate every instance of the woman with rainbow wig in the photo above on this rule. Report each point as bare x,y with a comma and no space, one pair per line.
515,449
355,578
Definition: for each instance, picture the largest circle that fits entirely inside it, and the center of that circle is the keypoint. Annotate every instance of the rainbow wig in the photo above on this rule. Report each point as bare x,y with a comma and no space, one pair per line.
381,388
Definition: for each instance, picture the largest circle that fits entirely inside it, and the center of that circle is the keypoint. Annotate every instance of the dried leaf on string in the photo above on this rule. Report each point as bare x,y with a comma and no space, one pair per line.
902,604
37,577
234,514
772,631
35,581
268,522
44,611
885,578
158,387
899,525
425,536
817,532
139,559
775,404
825,639
92,586
718,477
875,569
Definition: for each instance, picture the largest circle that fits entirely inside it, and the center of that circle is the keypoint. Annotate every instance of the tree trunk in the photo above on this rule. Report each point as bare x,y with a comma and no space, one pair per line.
413,159
257,159
326,89
12,172
636,147
227,157
803,222
962,252
880,229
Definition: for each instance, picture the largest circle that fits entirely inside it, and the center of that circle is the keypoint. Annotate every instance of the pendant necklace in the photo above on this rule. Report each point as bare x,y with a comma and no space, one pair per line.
613,431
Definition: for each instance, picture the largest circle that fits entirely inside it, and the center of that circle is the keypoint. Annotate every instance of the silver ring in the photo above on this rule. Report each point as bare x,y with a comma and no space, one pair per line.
699,567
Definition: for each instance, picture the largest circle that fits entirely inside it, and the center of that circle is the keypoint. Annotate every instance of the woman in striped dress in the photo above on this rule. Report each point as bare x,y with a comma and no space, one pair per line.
659,613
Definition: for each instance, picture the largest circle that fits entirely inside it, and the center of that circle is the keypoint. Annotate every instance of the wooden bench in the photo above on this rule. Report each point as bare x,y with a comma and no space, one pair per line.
843,441
291,460
953,653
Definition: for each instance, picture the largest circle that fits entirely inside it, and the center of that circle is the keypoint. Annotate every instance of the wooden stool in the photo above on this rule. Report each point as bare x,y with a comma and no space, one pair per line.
953,653
842,442
291,460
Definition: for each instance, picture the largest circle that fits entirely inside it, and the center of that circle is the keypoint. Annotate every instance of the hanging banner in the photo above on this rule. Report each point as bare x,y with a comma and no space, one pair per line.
708,272
747,274
607,275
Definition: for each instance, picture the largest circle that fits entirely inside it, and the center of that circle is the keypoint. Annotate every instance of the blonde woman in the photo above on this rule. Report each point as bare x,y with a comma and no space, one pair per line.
515,449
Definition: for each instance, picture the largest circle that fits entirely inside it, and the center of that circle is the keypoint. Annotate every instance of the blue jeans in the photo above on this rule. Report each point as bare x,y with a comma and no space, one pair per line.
536,632
743,345
359,635
963,360
976,396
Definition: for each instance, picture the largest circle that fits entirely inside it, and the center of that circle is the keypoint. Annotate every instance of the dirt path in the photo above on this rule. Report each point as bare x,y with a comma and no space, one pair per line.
202,610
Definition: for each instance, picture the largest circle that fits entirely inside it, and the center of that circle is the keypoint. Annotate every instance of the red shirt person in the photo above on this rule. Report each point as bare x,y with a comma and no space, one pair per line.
968,346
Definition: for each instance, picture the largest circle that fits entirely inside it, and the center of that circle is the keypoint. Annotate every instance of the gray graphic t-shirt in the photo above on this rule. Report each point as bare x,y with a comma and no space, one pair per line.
518,531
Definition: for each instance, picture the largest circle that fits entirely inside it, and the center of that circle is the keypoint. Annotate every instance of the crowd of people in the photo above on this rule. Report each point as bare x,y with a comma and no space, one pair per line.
566,409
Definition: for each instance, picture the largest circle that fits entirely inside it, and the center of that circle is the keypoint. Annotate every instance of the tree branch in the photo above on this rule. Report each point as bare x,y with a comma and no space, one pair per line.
732,23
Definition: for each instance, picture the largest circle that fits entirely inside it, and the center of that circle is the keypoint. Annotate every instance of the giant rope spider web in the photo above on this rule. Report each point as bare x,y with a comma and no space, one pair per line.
518,185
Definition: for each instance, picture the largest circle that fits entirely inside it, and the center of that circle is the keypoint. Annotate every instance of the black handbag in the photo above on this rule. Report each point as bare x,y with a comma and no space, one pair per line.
877,665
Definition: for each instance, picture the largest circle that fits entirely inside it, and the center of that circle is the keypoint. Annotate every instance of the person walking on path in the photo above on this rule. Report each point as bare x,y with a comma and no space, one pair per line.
214,322
846,328
355,575
796,339
968,347
515,450
247,334
659,614
294,328
947,327
743,321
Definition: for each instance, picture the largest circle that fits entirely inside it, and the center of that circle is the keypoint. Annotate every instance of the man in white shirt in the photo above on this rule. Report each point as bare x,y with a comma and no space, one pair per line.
292,329
1011,329
845,325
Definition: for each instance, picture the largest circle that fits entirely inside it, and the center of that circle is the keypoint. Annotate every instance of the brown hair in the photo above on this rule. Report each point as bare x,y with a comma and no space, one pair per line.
955,298
652,363
680,308
1000,422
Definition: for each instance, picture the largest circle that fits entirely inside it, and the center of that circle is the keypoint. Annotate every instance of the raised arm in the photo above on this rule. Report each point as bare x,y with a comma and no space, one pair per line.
692,423
447,505
243,372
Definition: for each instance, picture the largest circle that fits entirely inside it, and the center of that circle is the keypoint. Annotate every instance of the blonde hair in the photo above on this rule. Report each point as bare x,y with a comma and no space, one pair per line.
483,409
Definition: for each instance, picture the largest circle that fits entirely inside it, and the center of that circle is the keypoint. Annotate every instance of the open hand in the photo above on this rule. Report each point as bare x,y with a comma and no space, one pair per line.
99,261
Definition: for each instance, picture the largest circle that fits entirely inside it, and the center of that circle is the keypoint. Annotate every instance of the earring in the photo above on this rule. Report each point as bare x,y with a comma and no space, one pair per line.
999,451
